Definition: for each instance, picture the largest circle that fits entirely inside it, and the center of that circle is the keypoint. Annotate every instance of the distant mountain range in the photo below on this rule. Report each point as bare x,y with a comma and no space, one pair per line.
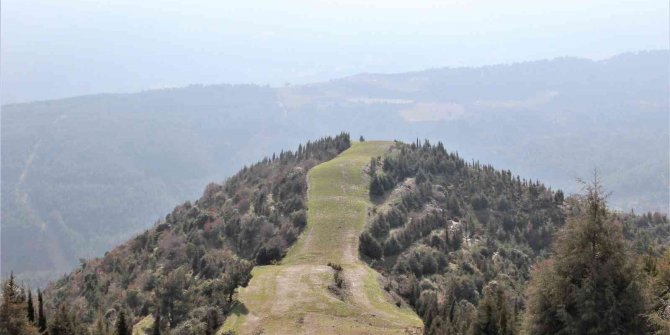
79,175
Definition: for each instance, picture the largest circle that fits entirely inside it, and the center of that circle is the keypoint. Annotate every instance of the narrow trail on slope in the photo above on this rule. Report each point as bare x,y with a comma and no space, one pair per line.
294,297
20,193
54,250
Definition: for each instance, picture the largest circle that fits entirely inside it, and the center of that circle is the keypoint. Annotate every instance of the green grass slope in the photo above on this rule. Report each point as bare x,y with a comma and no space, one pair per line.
294,297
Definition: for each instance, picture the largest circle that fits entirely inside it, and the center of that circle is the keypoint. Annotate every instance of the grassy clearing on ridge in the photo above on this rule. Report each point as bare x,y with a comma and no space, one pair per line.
293,297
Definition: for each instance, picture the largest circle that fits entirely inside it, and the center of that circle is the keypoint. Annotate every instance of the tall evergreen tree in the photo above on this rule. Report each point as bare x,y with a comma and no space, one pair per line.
591,284
376,186
41,317
122,324
157,323
31,308
13,318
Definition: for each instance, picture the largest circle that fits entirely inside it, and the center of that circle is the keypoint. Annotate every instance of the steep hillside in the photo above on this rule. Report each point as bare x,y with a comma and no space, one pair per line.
188,266
322,287
458,240
80,175
373,238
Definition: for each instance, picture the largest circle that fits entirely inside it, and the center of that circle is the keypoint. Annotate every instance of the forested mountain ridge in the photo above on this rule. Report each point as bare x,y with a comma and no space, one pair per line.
473,250
458,240
322,286
188,266
80,175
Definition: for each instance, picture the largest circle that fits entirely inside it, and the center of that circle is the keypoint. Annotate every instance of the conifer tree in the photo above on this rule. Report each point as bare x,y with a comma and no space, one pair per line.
31,308
369,246
121,324
157,323
591,284
41,317
13,318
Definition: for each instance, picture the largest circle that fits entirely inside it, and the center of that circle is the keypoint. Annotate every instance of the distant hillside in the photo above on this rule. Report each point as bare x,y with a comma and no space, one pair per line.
82,174
552,120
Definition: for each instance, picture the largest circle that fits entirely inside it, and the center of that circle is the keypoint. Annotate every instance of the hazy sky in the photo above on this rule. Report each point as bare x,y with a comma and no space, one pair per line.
59,48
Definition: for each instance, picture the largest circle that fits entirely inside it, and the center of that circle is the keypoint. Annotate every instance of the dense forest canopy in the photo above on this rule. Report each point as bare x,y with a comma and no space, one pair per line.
460,241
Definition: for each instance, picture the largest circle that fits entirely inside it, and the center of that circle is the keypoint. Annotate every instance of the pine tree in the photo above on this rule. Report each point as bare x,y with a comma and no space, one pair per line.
376,186
31,308
121,324
591,284
421,176
41,317
369,246
157,323
13,318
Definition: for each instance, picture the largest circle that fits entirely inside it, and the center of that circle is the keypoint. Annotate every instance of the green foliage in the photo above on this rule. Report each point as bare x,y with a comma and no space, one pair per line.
13,316
494,313
202,252
30,307
338,280
369,246
62,323
659,314
459,239
452,229
101,325
41,317
379,184
591,285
